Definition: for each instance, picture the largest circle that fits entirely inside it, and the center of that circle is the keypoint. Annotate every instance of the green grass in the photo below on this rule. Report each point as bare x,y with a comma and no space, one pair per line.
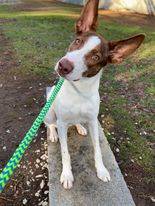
40,37
39,41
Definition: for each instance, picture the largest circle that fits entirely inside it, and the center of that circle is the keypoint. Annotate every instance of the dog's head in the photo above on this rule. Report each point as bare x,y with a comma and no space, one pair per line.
90,52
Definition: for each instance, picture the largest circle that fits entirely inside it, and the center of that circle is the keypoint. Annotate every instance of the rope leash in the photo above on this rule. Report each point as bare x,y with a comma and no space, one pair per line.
15,159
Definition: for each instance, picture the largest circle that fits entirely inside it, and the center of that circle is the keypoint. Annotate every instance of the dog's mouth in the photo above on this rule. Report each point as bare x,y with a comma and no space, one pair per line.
60,74
70,80
67,76
76,80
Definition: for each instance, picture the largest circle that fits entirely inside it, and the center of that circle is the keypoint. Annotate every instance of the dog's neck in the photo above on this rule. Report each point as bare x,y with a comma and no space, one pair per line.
84,87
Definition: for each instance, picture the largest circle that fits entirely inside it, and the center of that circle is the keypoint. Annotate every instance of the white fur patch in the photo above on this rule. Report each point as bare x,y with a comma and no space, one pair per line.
91,43
77,57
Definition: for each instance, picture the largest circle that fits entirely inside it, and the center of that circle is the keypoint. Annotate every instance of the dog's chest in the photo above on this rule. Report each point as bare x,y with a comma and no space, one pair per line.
73,107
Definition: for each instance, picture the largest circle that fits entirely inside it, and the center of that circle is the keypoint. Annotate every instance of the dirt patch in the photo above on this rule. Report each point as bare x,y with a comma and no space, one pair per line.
129,18
142,193
6,21
20,102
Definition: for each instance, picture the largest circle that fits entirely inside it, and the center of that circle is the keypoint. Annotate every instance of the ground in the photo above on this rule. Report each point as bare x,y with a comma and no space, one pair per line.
34,35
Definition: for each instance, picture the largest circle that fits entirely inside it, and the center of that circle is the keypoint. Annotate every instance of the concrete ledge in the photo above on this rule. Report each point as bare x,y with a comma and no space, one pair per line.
87,189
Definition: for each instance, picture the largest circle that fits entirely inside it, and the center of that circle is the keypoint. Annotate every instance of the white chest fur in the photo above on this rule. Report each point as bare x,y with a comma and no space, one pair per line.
78,101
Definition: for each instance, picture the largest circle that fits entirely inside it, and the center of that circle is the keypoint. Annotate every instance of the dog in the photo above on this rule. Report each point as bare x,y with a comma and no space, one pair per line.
78,100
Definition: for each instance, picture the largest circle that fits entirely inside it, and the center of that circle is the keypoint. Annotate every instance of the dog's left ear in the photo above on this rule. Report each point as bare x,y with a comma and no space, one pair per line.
119,50
88,19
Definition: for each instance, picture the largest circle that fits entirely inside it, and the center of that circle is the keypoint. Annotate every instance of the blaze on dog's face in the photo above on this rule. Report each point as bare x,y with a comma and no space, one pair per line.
90,52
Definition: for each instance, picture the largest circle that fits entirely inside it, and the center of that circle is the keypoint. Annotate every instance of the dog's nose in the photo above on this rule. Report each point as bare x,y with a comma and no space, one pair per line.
65,67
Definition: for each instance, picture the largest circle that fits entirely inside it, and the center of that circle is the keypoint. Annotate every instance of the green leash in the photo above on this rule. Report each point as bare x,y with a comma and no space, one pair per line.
15,159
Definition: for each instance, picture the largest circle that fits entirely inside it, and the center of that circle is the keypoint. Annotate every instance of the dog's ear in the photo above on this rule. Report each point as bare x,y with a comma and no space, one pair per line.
88,19
119,50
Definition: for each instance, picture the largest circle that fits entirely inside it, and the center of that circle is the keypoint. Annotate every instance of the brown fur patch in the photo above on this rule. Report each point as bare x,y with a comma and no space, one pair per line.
75,46
119,50
88,19
97,58
82,40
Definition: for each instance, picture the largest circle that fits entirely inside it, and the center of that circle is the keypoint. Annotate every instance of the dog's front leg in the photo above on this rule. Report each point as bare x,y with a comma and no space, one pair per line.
66,176
102,172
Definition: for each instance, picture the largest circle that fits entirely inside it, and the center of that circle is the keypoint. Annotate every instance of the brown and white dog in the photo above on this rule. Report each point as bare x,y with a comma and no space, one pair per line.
78,101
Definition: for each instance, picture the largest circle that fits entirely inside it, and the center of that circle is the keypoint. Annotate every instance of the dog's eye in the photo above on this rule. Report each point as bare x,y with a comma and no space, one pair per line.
95,57
77,41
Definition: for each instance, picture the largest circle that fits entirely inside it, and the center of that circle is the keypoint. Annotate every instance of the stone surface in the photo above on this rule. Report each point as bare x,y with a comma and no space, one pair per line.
87,188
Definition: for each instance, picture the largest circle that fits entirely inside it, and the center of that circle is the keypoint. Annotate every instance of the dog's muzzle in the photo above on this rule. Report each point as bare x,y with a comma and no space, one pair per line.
65,67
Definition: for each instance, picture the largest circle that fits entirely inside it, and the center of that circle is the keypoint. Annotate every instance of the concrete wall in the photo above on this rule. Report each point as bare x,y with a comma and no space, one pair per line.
139,6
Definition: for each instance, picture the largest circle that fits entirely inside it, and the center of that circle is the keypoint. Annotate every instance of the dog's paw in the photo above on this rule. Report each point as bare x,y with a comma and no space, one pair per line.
67,179
81,130
103,174
53,136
